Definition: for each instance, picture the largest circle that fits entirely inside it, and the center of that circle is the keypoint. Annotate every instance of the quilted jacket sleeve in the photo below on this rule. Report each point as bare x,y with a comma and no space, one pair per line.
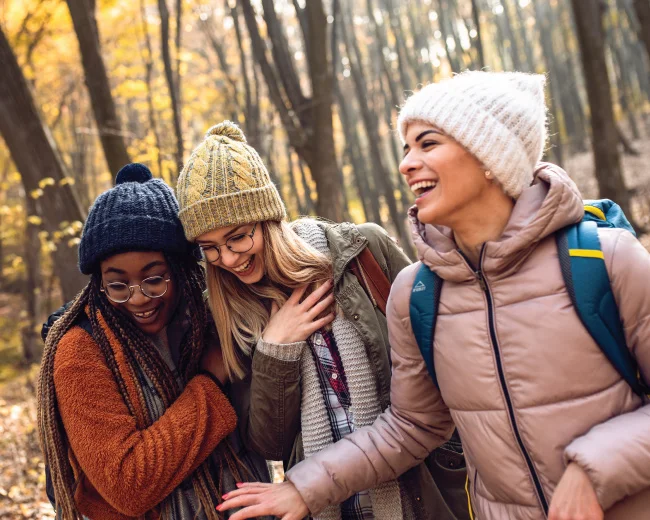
417,422
616,453
274,416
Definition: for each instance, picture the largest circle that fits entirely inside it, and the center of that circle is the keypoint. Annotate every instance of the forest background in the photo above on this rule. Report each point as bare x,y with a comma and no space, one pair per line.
89,85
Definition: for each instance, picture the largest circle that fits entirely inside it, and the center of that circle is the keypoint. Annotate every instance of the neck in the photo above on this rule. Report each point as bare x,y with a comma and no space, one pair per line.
477,226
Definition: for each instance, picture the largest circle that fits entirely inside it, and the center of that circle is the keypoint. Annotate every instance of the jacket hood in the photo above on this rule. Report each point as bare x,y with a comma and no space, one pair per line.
549,204
341,242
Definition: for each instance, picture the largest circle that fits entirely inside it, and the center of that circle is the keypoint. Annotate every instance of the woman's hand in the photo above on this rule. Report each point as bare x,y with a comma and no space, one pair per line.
574,497
258,499
212,361
296,321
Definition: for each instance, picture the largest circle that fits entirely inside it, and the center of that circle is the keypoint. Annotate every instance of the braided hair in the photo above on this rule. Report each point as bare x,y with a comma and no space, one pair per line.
140,353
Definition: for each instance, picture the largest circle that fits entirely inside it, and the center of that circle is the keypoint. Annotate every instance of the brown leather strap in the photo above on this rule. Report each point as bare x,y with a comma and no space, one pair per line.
372,279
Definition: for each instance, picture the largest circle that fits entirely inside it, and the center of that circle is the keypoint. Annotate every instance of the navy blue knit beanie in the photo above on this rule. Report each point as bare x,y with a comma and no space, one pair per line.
139,214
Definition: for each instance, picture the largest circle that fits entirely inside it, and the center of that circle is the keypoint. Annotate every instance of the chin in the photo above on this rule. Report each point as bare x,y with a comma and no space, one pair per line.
152,329
429,216
254,278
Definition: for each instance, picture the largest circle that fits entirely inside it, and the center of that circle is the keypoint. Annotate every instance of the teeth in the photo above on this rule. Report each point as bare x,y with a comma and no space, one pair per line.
144,314
243,267
419,187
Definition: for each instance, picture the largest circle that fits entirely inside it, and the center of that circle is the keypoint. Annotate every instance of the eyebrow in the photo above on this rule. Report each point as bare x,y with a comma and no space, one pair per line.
146,268
421,135
114,270
151,265
227,235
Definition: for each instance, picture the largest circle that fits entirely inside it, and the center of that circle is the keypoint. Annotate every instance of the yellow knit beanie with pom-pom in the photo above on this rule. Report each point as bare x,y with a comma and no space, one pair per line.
225,183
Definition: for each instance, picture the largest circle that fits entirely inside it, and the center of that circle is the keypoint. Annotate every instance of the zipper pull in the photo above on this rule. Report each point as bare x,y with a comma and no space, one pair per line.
481,280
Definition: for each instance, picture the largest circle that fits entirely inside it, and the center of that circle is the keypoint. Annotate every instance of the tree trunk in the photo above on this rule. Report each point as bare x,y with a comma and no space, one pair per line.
99,89
525,41
572,105
34,153
252,109
588,20
393,19
371,124
169,76
148,68
443,25
3,176
309,200
622,77
323,165
308,122
31,341
514,44
476,15
542,23
177,46
642,8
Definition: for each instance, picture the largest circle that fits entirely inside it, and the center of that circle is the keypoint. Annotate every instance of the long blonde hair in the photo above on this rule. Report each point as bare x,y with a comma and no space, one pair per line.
242,311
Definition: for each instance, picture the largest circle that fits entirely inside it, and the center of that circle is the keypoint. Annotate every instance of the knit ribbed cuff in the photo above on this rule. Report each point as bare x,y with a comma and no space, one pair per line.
284,352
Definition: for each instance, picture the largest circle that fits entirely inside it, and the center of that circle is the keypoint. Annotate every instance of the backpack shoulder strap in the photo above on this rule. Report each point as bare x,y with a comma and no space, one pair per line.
372,278
82,320
587,281
423,307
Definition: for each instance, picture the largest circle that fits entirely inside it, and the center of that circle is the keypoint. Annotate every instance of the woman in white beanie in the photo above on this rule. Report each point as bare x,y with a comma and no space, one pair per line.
550,428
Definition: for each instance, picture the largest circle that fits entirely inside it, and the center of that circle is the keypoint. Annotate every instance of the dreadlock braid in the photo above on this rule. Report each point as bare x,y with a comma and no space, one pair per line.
50,429
141,355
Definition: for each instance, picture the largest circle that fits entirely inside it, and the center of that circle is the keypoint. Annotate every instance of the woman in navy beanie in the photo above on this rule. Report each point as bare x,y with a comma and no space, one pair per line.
134,420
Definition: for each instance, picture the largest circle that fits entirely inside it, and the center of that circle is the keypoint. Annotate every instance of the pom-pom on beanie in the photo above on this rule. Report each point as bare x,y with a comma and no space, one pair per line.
139,213
499,117
225,183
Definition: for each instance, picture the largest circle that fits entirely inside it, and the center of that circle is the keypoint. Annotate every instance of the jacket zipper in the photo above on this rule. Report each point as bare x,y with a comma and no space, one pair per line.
502,378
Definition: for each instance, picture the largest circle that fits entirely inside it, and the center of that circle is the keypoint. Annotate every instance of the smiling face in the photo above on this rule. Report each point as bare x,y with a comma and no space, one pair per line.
248,265
447,180
151,315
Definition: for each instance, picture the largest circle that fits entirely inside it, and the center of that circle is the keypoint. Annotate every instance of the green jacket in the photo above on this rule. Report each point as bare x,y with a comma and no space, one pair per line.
431,490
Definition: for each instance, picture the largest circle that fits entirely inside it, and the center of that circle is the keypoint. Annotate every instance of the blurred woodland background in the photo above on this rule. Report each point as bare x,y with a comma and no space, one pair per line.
89,85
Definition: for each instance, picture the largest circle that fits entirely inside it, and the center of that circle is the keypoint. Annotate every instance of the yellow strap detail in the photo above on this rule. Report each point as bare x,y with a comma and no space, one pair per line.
595,211
638,376
589,253
469,499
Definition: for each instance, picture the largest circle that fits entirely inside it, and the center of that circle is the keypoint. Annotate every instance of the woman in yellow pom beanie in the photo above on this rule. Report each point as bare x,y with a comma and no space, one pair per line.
317,374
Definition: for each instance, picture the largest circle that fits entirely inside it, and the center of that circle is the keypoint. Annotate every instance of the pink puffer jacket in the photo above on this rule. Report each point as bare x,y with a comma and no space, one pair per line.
519,375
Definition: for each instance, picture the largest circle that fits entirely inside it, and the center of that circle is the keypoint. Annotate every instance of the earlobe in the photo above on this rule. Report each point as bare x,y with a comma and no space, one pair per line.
488,174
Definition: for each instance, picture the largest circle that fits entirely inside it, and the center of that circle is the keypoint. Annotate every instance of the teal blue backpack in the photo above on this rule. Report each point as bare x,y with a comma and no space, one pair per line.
585,275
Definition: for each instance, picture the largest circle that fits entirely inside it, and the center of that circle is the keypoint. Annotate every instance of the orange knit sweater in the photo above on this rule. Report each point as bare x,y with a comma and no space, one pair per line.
124,472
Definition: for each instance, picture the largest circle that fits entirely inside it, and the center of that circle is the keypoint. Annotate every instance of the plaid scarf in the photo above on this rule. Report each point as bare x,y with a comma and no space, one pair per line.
336,395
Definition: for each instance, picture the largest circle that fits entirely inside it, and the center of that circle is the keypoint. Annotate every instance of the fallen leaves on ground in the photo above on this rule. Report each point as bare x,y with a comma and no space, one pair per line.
22,471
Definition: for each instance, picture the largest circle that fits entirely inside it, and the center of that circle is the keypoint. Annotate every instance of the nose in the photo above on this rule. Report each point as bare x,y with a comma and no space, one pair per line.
410,164
138,298
228,258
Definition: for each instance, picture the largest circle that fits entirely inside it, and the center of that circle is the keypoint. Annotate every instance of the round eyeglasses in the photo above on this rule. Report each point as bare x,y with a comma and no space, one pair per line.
241,243
152,287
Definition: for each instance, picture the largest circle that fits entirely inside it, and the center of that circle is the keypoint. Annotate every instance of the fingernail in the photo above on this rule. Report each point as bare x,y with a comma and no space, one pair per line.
219,507
225,497
239,484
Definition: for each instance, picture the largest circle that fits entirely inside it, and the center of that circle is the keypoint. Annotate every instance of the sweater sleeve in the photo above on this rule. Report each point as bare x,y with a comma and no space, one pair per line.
133,469
616,453
417,422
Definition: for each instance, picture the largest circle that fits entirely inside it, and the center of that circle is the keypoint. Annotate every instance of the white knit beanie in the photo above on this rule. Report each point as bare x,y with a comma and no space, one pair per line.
499,117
